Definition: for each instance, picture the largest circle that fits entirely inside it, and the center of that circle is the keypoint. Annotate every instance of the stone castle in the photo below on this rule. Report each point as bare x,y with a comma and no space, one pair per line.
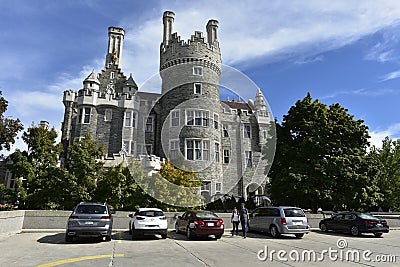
187,122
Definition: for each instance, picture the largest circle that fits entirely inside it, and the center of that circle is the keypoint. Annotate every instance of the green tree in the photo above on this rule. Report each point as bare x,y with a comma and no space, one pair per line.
119,189
172,187
85,167
387,160
38,167
9,127
321,159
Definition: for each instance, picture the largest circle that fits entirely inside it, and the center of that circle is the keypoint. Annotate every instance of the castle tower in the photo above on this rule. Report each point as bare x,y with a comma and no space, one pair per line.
190,72
168,21
212,27
115,41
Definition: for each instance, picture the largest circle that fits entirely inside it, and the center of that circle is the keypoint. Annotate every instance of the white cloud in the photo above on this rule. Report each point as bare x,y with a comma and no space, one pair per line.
391,76
362,92
393,131
254,30
30,104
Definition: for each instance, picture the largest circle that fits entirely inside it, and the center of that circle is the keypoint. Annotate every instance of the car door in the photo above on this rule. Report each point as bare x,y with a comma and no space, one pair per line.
336,222
347,222
263,220
255,220
182,222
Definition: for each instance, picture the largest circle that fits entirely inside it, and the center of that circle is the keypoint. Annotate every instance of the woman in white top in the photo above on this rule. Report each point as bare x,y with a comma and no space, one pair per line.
235,221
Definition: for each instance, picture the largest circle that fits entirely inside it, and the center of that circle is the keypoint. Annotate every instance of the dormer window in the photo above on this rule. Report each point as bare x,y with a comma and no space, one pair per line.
112,75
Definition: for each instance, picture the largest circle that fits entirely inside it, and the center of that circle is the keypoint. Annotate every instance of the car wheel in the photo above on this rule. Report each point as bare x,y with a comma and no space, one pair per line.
218,237
189,234
355,231
164,236
176,229
108,238
130,230
274,231
323,227
377,234
299,235
68,238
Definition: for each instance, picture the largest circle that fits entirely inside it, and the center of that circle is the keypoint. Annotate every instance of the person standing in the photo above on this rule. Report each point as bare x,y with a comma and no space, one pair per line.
235,221
244,219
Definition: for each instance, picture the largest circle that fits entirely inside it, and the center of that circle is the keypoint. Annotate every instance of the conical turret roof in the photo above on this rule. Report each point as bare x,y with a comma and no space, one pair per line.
131,82
92,78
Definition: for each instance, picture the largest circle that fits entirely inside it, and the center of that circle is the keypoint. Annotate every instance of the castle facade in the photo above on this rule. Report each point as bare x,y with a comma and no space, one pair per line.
187,122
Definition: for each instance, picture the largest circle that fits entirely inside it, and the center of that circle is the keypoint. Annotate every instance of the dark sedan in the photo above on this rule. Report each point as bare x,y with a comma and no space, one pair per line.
200,223
354,223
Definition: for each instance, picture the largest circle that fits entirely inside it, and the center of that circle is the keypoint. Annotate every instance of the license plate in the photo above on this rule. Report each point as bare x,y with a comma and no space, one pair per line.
379,225
89,223
210,224
297,223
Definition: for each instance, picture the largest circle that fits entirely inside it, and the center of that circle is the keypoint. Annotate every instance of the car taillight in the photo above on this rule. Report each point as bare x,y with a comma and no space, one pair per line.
368,222
283,220
384,222
163,218
307,219
140,218
73,217
199,222
105,217
220,222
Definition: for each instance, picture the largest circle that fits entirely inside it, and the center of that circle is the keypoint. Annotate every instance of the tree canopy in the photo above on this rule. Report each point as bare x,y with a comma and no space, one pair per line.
321,160
387,161
9,127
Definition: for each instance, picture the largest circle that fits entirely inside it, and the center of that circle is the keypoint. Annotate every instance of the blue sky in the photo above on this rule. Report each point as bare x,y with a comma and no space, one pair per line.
339,51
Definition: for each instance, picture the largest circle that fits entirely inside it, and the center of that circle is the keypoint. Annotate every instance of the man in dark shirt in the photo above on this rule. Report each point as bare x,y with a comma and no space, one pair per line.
244,218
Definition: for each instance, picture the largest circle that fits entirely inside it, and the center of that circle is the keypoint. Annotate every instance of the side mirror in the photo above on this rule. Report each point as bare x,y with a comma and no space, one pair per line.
180,217
130,215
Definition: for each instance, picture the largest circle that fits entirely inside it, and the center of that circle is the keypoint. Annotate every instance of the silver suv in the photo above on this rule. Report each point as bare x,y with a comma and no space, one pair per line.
279,220
90,220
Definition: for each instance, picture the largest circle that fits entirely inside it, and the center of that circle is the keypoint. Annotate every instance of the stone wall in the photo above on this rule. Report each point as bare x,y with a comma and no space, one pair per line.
48,220
11,221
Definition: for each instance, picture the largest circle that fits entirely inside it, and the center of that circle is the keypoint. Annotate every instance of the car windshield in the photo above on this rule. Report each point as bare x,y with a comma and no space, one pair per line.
367,217
206,215
294,213
150,213
91,209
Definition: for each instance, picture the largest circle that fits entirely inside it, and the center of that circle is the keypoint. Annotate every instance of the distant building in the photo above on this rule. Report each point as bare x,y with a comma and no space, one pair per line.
6,177
186,123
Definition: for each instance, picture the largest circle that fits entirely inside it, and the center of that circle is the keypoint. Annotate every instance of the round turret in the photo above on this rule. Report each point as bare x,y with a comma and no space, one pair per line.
197,60
91,82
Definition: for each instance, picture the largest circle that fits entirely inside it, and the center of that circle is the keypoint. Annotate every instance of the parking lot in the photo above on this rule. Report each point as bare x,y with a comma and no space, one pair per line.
315,249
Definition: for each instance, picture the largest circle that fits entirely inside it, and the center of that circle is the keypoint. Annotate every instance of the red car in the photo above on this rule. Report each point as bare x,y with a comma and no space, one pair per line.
200,223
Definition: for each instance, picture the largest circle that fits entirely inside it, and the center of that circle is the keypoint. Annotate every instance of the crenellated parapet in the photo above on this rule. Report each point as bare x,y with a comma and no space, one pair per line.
69,96
196,50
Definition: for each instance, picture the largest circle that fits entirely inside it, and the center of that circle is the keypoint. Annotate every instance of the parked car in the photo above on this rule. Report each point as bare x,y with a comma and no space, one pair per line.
90,220
148,221
200,223
279,220
354,223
